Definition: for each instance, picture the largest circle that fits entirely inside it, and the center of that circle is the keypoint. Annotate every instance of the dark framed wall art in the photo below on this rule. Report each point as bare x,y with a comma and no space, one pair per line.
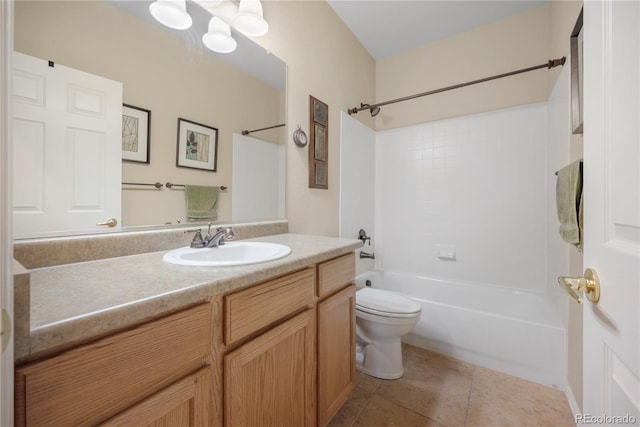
318,144
197,146
136,134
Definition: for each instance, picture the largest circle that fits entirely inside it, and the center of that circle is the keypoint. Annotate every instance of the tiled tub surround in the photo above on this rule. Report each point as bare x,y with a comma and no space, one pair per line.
72,303
475,183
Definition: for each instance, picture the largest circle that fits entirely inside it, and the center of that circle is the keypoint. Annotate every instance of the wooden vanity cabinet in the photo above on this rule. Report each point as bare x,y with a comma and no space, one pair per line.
336,335
269,380
301,371
186,403
280,353
91,383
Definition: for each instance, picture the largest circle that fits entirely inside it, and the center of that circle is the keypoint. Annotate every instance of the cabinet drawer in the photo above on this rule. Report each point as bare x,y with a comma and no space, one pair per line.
85,385
335,274
252,309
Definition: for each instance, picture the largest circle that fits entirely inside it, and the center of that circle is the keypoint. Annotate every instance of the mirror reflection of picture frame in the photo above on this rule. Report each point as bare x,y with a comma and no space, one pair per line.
197,146
576,44
318,144
136,134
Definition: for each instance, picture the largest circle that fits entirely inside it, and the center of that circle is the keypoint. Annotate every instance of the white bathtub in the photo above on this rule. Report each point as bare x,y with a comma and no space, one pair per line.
514,332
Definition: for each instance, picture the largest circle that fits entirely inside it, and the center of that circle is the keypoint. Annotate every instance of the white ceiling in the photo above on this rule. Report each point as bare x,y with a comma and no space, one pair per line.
388,27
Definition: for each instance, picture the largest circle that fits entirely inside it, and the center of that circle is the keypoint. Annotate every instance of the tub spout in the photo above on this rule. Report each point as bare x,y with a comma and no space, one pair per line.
364,254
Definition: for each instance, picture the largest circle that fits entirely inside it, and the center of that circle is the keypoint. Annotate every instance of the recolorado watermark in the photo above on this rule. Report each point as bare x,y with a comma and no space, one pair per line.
589,419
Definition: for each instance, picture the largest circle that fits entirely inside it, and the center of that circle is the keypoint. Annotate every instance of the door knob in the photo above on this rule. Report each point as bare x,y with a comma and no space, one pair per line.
111,222
589,284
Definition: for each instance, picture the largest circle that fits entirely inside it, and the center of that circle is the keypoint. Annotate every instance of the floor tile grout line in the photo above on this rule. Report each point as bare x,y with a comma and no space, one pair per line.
362,410
466,415
410,410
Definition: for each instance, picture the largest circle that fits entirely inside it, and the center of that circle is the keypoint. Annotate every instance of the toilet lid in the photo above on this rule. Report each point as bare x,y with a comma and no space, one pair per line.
385,302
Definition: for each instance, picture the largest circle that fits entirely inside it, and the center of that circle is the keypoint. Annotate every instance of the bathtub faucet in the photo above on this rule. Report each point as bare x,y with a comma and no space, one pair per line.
362,235
364,254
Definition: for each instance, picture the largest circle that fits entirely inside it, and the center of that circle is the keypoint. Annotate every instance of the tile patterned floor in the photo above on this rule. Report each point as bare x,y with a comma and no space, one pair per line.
438,391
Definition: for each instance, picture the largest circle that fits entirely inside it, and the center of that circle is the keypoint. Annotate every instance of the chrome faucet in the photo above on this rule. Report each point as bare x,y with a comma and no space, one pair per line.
222,235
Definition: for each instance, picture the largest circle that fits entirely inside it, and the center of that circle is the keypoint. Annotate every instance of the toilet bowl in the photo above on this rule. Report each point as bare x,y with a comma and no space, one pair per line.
382,318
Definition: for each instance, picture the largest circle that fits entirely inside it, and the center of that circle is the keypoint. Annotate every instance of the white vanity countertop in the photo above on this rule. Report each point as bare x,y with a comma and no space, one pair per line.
74,302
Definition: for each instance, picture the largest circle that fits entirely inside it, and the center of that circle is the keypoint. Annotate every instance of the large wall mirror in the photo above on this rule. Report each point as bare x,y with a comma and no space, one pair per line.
171,74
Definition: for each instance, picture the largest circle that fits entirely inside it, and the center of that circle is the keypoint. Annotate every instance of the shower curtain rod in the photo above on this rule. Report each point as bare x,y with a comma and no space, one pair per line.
247,132
549,64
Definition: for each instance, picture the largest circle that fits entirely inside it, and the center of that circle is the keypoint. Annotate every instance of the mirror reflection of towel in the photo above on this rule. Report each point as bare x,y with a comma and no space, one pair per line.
569,203
202,201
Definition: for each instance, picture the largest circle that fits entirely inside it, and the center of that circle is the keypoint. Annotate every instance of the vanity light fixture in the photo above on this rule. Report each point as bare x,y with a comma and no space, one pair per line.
171,13
218,38
246,17
250,20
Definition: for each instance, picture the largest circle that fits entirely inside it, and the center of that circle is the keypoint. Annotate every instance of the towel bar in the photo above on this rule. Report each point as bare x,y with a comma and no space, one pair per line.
171,185
157,184
556,172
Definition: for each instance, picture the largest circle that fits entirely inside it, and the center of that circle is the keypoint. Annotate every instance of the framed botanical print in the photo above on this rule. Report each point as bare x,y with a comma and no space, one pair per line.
136,134
318,144
197,146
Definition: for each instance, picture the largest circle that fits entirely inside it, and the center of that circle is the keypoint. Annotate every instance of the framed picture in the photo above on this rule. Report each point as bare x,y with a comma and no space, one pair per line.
318,144
577,76
320,138
320,112
197,146
136,134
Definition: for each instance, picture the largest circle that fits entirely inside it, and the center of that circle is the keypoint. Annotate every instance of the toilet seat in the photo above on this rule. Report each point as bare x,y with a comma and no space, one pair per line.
386,303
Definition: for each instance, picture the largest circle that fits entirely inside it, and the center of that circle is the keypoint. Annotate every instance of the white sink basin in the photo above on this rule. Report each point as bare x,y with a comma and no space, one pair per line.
229,254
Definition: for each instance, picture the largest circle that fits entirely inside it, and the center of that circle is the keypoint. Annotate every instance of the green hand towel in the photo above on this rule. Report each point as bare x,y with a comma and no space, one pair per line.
202,201
568,202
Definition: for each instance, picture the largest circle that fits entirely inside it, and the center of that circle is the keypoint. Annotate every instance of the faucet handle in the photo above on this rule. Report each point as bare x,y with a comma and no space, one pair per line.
228,233
209,236
198,241
362,235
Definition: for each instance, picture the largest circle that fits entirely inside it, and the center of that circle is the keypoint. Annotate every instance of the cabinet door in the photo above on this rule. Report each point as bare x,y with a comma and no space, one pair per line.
186,403
270,381
336,352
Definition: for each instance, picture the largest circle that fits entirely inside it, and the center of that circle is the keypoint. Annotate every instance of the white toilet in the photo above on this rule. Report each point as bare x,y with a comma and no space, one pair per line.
382,318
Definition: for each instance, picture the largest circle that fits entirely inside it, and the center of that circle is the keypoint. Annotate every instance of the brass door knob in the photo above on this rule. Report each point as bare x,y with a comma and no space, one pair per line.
589,284
111,222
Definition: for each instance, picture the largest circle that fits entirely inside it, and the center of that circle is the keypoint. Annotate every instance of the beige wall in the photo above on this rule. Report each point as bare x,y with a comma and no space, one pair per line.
163,74
324,59
517,42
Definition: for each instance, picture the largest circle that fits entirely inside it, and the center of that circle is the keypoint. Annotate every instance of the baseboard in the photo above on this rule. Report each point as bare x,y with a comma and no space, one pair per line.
573,403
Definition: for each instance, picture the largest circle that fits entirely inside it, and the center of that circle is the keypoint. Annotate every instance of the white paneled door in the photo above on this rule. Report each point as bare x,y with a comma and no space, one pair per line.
612,211
66,148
